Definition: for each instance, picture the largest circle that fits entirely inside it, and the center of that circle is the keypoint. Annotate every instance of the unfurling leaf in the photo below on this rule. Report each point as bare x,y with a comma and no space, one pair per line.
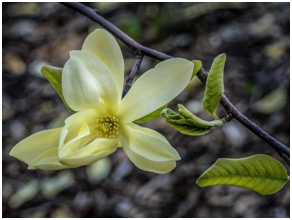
187,123
214,85
152,115
197,66
260,173
54,75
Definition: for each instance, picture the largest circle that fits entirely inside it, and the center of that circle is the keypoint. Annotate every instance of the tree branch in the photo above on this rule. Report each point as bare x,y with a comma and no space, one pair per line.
283,150
232,111
135,69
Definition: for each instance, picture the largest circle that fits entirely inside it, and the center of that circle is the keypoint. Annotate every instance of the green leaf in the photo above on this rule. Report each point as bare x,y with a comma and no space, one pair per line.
260,173
187,123
197,66
54,75
152,115
214,85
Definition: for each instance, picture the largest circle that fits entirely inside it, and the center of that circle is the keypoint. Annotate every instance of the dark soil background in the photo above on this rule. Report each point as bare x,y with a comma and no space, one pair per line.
256,39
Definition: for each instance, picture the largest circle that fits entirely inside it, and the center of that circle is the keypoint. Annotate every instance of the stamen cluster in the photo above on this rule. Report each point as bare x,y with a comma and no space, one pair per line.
107,126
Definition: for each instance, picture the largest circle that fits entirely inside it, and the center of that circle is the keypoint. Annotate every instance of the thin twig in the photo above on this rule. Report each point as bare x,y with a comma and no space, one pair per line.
283,150
135,69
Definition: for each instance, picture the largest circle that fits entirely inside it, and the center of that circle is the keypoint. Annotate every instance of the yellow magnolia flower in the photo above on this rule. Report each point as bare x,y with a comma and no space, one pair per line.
92,85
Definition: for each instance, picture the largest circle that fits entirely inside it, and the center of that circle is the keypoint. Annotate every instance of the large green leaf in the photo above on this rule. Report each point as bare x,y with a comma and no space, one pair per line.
54,75
214,85
187,123
152,115
260,173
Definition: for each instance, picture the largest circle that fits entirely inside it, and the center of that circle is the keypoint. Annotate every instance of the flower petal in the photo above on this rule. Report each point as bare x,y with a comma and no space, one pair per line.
88,115
103,45
73,137
149,143
39,147
79,129
155,88
88,83
79,142
48,161
96,150
144,163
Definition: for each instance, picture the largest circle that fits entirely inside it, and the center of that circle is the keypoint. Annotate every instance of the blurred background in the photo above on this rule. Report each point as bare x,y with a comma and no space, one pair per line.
256,39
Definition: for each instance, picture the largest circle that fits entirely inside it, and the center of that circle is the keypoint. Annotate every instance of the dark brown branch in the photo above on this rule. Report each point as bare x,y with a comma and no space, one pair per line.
283,150
135,69
135,46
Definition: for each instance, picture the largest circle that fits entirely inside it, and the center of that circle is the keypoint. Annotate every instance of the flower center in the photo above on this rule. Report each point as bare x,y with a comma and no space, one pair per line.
107,126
